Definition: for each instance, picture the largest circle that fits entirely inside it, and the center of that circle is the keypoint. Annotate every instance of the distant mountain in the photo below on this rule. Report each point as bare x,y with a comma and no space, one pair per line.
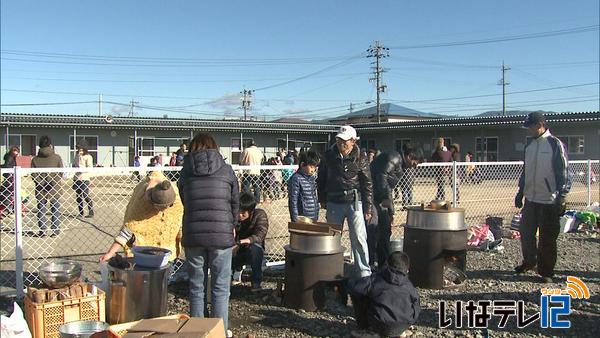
513,112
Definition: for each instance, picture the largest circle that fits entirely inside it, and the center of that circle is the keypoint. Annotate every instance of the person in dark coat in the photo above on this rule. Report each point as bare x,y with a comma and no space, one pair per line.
7,185
47,186
345,189
386,302
209,191
441,154
302,188
250,239
388,171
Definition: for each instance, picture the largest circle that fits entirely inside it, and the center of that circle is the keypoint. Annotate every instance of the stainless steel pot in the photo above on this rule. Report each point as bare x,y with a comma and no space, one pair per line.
315,243
136,293
429,219
83,329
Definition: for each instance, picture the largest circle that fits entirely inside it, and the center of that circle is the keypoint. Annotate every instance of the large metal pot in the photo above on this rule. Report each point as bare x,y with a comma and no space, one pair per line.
83,329
315,243
136,293
435,219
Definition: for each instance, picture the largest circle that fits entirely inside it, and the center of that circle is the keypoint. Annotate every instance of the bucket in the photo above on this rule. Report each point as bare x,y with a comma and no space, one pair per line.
84,329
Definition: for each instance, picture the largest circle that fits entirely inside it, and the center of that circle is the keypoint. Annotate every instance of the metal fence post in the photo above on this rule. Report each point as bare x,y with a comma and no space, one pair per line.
454,186
18,209
589,182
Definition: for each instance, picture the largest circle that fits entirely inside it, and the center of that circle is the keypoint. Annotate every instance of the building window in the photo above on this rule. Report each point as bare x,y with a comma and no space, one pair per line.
399,144
26,143
145,146
367,144
235,143
486,149
90,141
574,143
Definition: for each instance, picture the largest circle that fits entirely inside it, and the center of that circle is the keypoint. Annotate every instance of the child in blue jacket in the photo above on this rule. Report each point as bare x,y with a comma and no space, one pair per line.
302,188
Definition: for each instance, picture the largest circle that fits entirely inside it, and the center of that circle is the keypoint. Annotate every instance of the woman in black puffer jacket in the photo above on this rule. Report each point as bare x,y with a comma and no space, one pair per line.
210,194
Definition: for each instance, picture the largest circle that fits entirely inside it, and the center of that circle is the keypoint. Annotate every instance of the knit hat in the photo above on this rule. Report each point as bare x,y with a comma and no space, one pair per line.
162,195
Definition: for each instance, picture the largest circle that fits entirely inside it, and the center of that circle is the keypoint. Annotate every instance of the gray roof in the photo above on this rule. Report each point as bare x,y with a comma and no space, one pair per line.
388,109
478,121
116,122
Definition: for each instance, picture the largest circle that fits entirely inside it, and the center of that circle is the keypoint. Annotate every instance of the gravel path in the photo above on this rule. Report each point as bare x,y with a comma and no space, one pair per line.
490,277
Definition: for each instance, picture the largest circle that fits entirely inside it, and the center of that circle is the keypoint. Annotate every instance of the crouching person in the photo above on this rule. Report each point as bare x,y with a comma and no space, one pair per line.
386,302
250,240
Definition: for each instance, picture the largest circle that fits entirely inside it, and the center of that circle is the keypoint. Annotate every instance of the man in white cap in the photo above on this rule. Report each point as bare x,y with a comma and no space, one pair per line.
346,191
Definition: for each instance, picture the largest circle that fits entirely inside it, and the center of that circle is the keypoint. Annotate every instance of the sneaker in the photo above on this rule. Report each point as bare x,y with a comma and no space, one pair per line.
256,288
229,334
237,278
523,268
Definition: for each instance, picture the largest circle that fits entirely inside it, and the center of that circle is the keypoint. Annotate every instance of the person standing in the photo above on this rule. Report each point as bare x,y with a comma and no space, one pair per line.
441,154
387,171
345,189
544,183
180,154
7,186
47,186
251,178
302,188
81,181
210,194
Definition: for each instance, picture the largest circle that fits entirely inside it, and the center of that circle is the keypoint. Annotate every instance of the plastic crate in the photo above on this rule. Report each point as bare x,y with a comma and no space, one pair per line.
118,330
44,319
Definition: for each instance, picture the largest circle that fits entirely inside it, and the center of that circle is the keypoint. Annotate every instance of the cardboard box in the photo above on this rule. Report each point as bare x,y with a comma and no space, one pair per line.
177,328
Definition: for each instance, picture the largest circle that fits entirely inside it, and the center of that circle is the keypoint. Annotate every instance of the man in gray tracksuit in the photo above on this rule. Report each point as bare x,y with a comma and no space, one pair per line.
544,182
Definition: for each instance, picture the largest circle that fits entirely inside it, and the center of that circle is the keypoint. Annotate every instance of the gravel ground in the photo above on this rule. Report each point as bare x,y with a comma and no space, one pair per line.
490,277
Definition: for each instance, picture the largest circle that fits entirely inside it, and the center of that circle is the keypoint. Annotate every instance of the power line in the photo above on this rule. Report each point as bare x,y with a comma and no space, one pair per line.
490,95
573,30
44,104
328,68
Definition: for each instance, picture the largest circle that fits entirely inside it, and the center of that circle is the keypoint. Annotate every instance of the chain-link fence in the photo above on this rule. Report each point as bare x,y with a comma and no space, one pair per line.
54,220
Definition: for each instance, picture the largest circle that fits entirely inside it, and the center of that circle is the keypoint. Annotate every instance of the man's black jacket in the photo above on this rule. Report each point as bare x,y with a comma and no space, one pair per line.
338,176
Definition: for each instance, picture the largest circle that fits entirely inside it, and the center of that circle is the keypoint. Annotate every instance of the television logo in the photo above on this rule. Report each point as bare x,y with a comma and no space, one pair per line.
554,303
549,313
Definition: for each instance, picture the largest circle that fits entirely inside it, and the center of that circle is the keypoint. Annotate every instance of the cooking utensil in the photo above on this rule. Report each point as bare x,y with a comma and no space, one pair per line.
84,329
60,273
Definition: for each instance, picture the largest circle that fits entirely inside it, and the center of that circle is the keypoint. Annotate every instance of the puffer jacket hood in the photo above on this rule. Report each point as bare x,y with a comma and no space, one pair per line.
210,194
203,162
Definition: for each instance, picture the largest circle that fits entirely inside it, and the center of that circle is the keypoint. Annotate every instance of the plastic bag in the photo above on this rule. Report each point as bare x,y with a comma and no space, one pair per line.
14,326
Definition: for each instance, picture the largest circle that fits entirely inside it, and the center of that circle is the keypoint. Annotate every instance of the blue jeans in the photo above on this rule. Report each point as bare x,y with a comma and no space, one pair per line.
42,200
219,261
252,254
336,213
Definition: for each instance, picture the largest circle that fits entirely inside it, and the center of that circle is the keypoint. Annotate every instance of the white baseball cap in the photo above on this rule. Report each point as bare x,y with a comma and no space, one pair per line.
346,133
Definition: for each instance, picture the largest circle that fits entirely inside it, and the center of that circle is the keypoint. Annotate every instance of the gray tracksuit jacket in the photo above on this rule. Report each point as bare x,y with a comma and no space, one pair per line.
545,175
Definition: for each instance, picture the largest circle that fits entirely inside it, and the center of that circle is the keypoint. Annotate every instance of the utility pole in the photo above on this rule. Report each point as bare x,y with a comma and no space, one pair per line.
378,51
503,83
351,109
246,101
131,107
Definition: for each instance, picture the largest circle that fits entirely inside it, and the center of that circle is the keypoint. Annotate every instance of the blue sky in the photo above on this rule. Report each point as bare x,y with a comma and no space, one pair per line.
304,58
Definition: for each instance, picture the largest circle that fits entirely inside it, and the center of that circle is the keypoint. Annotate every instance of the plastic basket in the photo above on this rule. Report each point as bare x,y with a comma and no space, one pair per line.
44,319
118,330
